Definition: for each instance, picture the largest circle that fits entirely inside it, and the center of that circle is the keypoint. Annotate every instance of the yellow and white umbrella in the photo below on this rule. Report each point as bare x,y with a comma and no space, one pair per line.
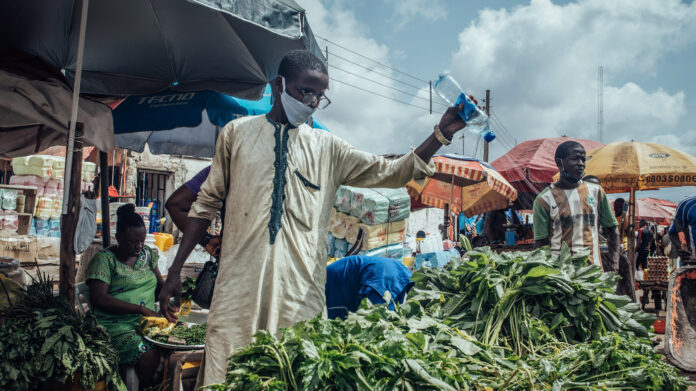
623,166
629,166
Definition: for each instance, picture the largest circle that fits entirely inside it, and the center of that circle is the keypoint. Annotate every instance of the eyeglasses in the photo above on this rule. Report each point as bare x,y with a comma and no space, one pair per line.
310,98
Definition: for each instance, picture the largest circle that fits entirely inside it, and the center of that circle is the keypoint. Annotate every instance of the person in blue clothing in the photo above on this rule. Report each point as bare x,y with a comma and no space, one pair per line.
684,221
351,279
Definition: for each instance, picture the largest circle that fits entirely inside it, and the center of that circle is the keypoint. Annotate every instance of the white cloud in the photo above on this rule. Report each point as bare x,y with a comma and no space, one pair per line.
539,60
407,10
368,121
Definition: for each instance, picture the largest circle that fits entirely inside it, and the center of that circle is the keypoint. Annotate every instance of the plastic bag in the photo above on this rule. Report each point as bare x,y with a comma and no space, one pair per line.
152,326
41,226
11,220
9,199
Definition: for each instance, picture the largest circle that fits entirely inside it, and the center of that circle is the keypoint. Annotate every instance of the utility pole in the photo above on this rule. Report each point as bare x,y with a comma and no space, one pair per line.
327,54
488,113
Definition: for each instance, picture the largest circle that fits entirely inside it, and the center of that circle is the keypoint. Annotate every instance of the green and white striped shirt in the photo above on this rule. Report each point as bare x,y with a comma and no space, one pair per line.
573,217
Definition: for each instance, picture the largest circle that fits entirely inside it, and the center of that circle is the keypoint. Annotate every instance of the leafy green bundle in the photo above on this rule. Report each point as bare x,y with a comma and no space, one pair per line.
194,335
378,349
522,300
373,349
45,339
616,361
542,323
187,288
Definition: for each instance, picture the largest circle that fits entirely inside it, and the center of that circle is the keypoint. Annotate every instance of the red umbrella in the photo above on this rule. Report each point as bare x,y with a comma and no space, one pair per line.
655,210
530,166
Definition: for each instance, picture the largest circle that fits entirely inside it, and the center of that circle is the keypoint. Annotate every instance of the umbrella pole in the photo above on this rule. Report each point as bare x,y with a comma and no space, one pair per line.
106,213
447,220
72,185
631,231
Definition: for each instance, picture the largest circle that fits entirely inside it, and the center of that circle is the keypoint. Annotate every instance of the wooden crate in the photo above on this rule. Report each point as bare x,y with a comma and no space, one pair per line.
657,269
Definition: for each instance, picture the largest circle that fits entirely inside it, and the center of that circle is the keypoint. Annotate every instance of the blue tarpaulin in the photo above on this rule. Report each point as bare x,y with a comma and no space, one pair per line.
174,122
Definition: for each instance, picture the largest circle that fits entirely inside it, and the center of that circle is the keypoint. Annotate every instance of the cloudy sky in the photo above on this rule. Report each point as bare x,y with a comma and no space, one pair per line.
539,58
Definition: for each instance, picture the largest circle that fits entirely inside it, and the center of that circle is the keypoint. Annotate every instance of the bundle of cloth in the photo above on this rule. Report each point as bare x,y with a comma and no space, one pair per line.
379,214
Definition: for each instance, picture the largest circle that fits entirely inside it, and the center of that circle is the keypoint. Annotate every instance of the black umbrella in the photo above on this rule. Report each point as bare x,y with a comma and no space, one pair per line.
132,47
147,46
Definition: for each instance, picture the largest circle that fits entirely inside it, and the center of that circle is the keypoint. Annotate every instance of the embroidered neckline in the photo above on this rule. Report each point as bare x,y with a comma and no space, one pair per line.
280,164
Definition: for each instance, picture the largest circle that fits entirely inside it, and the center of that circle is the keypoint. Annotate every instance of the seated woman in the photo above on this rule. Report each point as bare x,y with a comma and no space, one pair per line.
123,282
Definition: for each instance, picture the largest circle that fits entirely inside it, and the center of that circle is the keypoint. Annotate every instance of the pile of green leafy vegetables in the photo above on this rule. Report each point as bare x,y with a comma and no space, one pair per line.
378,349
524,299
494,322
187,288
44,338
193,335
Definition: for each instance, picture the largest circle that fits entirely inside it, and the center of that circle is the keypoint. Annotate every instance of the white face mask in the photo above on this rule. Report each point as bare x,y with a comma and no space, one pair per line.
296,111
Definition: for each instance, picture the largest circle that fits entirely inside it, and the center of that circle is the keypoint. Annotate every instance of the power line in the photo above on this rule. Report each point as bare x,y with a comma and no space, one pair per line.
502,125
503,138
381,74
383,96
478,140
385,85
373,60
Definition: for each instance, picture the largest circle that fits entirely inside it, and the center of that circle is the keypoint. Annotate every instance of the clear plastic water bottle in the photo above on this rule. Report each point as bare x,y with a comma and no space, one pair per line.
476,120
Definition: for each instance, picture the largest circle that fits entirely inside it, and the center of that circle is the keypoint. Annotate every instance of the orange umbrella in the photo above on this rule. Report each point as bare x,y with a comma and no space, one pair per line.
467,185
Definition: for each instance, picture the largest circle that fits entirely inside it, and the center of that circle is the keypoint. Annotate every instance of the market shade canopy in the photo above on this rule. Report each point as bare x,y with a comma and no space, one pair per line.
182,123
35,114
530,166
655,210
623,166
143,47
467,185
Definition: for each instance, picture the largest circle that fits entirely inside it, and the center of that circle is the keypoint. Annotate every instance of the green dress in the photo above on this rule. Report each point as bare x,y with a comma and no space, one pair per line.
135,285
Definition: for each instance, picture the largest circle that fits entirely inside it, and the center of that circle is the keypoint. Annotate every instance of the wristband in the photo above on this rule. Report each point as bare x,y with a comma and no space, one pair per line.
441,137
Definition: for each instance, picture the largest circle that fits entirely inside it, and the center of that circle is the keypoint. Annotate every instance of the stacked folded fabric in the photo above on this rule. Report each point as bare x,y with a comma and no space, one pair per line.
380,213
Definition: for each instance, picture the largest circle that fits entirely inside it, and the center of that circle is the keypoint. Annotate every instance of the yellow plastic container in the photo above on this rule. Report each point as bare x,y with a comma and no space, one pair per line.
407,261
164,241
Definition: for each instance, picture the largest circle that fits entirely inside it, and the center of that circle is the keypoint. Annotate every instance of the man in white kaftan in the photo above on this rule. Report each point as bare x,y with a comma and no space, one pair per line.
263,285
279,182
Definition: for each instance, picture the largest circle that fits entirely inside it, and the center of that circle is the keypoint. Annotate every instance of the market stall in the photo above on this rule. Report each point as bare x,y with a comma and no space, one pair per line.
235,49
462,185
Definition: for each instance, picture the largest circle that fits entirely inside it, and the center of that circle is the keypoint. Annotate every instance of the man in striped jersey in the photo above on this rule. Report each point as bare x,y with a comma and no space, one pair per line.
571,210
684,221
